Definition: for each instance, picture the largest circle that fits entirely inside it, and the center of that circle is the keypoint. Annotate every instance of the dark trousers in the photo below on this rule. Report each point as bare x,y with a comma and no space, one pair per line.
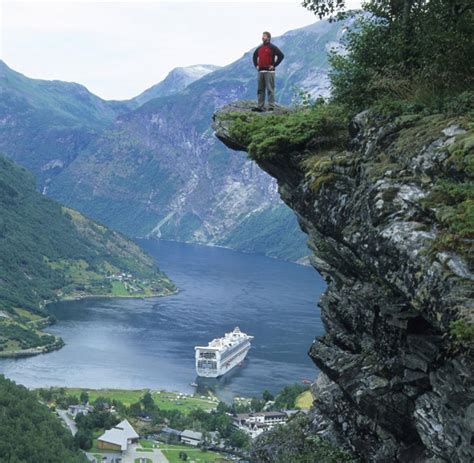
266,82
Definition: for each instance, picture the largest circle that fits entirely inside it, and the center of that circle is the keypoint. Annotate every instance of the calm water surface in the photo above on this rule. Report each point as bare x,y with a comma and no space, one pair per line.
149,343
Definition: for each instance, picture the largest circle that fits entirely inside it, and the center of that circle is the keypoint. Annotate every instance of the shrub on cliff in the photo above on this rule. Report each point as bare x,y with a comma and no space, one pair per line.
310,128
294,443
407,49
453,198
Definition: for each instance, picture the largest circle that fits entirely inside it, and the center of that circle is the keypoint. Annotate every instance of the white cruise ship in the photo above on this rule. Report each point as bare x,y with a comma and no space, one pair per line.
222,354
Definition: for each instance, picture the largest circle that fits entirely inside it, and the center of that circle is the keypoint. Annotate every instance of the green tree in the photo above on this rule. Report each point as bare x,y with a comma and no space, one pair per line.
223,424
46,394
257,405
148,402
267,395
84,397
222,407
135,409
101,403
239,439
403,49
83,439
287,396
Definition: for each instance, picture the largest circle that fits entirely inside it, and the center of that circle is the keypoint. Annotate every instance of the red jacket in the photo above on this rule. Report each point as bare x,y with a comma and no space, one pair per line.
264,56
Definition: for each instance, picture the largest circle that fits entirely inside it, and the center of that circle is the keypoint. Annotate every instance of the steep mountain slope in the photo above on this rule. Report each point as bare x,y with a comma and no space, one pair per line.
174,82
50,252
43,123
179,182
388,210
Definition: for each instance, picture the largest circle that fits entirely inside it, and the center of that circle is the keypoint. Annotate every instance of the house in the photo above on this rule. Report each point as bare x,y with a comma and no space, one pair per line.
256,423
269,418
80,409
170,434
191,437
118,438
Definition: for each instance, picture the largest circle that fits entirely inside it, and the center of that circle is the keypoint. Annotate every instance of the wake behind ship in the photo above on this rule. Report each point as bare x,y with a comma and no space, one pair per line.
222,354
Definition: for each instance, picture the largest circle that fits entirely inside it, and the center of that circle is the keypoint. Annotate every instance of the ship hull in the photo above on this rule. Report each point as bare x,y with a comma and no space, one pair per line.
223,368
221,355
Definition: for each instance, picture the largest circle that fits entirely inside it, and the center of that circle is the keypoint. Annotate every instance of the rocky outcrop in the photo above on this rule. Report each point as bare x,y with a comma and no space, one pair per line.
394,386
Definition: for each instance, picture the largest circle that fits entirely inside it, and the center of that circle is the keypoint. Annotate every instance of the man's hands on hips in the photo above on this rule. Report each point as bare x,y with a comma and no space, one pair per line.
271,68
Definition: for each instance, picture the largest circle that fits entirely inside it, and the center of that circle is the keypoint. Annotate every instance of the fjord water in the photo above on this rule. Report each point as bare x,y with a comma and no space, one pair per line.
149,343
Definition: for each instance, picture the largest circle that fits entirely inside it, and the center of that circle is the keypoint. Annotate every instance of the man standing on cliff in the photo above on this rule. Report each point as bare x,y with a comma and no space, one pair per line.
266,58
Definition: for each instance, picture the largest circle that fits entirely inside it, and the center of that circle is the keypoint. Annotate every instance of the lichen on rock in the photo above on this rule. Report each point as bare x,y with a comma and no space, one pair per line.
388,215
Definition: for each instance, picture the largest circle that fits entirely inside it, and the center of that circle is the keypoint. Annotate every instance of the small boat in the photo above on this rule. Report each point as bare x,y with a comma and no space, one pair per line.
306,381
193,384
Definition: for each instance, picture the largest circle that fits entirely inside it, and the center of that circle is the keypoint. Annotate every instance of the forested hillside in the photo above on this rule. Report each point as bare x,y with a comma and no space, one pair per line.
29,432
50,252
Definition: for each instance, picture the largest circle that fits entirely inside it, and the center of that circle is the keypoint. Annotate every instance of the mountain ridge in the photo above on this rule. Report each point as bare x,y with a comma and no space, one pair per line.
156,170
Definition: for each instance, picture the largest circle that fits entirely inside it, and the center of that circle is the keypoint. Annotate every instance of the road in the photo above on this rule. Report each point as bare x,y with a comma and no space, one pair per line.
71,424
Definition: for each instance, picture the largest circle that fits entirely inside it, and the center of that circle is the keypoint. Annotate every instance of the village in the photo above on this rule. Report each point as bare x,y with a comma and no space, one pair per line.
162,427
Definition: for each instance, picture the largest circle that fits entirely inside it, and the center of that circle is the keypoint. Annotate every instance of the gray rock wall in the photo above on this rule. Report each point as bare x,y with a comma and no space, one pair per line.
393,386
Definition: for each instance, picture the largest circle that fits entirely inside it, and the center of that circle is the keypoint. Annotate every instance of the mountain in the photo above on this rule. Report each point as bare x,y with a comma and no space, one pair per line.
50,252
157,170
43,123
388,209
175,81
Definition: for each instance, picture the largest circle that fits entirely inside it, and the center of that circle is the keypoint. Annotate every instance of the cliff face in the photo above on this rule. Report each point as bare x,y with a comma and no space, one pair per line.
394,385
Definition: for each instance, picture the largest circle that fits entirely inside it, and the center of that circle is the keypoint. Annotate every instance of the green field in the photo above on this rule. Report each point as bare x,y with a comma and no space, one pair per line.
146,444
164,400
118,289
171,452
304,400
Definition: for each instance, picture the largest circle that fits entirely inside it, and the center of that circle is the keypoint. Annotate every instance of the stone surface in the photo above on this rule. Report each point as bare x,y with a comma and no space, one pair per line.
392,388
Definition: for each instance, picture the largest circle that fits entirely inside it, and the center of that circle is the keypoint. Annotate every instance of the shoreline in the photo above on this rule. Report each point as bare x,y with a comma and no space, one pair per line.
47,321
303,261
32,351
111,296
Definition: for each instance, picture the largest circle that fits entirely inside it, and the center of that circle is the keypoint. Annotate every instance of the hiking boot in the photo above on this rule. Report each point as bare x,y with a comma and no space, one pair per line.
258,109
271,109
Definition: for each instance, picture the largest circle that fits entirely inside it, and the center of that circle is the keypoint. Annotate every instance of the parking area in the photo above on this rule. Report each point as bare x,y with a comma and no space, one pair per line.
132,455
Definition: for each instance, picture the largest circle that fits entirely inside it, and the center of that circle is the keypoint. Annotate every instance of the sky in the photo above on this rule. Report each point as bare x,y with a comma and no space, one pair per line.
119,49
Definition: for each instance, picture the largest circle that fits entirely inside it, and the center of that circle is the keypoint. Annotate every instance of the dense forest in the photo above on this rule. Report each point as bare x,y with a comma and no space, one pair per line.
29,432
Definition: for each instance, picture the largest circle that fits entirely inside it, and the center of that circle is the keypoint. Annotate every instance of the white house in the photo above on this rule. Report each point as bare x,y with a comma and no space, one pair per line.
256,423
191,437
80,409
118,438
